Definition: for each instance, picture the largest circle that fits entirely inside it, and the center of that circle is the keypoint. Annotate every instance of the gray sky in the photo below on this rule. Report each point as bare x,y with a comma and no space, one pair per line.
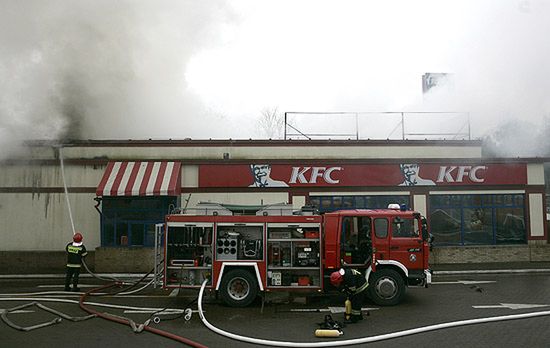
206,69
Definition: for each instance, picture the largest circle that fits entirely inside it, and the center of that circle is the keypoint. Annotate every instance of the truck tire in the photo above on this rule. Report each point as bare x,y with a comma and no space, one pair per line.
386,287
238,288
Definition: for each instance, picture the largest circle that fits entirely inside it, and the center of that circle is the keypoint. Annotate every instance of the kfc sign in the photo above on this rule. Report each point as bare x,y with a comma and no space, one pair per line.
457,173
280,175
309,175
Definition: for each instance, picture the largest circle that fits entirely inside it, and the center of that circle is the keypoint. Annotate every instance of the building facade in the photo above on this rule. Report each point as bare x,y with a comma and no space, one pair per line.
479,209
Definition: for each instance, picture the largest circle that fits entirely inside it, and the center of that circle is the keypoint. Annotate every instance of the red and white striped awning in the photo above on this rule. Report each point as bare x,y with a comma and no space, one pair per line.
140,179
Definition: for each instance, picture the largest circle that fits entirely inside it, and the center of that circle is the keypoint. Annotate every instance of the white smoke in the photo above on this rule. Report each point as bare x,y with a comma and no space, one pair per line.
201,69
370,56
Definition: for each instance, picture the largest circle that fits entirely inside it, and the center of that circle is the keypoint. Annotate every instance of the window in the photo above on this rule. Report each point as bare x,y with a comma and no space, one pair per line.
130,221
478,219
381,228
332,203
405,228
356,245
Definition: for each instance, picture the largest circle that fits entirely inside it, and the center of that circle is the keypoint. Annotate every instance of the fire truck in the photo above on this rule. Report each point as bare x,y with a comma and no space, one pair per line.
278,249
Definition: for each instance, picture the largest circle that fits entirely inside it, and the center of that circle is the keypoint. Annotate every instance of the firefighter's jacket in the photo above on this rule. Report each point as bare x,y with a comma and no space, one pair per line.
75,253
354,282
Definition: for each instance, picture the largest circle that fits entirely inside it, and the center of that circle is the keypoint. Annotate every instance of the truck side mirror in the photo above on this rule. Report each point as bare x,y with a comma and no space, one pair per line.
425,233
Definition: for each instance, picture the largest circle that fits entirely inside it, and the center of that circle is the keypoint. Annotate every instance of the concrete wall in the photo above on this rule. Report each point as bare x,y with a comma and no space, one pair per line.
42,222
50,176
39,220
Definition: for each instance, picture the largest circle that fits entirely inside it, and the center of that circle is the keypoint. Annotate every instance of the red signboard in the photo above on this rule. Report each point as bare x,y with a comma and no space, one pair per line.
406,174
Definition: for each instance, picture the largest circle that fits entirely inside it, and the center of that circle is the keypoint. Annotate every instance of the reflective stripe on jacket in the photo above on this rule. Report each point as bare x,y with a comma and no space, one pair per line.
354,281
75,253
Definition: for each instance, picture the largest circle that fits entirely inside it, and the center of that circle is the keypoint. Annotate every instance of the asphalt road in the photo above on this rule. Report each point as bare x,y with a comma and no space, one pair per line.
449,299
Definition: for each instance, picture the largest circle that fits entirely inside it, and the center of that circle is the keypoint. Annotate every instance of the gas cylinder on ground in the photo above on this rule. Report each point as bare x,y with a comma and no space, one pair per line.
328,333
347,314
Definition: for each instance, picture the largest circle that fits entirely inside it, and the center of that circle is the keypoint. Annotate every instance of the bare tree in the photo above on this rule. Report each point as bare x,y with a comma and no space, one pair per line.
271,123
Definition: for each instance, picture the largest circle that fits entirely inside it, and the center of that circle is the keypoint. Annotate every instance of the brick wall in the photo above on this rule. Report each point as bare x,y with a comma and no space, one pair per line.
37,262
489,254
540,253
141,260
124,260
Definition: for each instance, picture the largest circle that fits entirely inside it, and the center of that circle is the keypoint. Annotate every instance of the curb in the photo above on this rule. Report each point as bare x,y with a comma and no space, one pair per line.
494,271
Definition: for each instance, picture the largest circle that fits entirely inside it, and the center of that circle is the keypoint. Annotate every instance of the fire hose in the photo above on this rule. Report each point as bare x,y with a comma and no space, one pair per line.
121,320
4,316
361,340
96,304
137,328
126,321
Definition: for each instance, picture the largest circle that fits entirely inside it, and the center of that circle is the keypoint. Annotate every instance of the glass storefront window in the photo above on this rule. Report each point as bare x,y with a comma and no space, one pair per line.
332,203
130,221
315,201
478,226
510,226
121,229
348,202
445,226
108,238
478,219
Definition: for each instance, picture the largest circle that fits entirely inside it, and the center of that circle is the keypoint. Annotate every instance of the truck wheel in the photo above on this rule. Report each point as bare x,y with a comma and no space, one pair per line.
386,287
238,288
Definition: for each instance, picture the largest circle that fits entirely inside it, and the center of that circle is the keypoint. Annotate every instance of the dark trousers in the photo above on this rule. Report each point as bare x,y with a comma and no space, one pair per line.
72,274
356,305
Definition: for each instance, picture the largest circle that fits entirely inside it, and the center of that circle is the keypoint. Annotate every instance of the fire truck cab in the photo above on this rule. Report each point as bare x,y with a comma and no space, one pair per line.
391,247
277,249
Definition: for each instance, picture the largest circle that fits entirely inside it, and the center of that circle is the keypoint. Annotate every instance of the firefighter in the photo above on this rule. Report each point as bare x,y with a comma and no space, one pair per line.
75,252
353,283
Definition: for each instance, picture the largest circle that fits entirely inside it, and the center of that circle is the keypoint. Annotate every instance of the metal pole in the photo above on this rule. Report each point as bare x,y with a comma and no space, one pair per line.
356,126
403,125
285,126
469,130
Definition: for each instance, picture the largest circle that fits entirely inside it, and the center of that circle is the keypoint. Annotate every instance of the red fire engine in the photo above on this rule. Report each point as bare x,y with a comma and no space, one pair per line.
277,249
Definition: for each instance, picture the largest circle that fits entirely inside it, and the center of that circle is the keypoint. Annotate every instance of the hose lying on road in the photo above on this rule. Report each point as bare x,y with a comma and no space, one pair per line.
121,292
4,316
45,293
362,340
126,321
96,304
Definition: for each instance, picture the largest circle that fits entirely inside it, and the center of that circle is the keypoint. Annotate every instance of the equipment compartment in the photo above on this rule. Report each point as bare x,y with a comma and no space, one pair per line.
239,242
188,253
293,255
